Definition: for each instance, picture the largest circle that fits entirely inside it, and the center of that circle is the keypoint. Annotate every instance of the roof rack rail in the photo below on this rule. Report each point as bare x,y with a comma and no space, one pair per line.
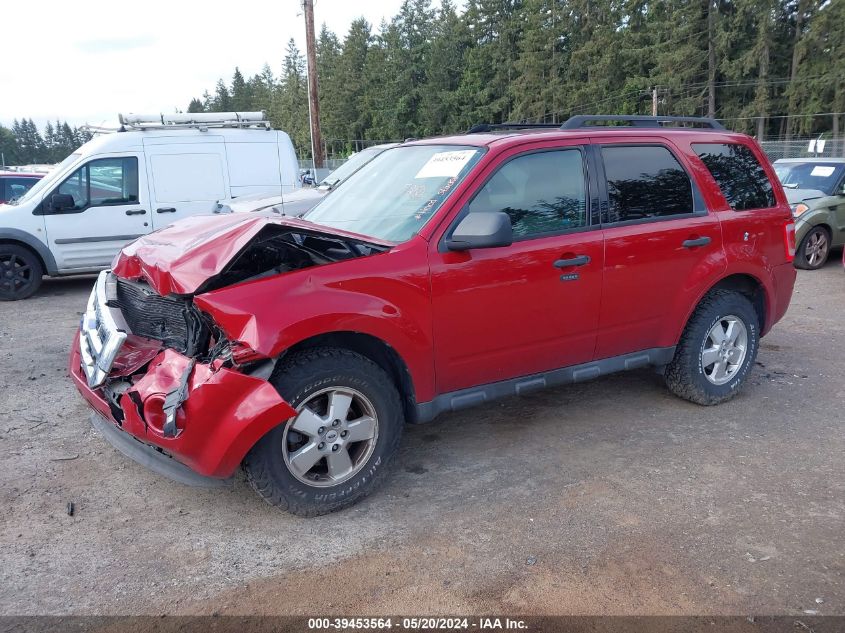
480,128
200,120
638,120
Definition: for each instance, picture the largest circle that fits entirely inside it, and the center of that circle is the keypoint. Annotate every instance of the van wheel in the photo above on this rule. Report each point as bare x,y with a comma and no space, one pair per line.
20,272
813,249
717,349
340,444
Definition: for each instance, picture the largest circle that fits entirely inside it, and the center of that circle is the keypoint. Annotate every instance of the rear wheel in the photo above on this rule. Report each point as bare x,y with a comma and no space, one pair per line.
20,272
813,249
337,448
717,349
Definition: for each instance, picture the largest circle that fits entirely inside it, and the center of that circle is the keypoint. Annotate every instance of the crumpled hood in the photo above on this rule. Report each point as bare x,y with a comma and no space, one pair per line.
800,195
180,258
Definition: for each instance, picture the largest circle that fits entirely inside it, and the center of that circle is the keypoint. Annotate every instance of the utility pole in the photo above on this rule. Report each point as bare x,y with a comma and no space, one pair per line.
313,89
711,59
654,101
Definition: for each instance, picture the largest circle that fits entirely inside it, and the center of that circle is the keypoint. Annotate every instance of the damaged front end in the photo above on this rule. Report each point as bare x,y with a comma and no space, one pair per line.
163,371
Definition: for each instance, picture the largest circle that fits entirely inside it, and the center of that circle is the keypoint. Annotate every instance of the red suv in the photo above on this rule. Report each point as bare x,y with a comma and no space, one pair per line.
446,273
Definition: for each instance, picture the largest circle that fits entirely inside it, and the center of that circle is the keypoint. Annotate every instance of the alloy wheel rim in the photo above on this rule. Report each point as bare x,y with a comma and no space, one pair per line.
331,438
15,274
816,248
724,350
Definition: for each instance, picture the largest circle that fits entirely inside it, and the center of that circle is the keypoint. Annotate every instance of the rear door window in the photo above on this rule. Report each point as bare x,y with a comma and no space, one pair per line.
740,176
645,182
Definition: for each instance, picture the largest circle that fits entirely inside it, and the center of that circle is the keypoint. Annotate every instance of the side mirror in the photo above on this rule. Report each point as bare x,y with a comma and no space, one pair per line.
482,230
62,201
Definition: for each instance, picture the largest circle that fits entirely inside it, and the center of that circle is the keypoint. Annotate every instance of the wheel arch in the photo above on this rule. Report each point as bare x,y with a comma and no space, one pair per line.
36,247
746,284
822,220
378,351
752,288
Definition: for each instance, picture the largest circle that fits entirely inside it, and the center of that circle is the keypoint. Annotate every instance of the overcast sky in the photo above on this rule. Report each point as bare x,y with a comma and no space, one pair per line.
86,61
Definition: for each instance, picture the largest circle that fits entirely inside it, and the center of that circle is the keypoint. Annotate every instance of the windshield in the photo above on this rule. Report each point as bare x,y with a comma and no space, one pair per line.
394,195
352,164
821,176
47,180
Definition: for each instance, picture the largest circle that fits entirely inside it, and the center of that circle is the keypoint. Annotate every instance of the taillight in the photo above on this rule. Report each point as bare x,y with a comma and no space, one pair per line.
789,240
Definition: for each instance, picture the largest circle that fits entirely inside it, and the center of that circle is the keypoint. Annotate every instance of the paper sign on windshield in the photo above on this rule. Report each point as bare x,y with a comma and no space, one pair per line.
445,164
822,170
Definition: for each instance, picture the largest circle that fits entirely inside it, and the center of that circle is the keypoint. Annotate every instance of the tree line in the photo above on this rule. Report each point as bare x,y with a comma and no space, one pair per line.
764,66
23,144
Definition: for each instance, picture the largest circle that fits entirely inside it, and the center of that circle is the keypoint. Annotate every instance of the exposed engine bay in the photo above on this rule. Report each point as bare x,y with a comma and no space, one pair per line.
278,249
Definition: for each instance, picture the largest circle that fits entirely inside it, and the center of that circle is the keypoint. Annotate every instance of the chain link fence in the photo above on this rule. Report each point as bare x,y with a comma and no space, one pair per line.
805,148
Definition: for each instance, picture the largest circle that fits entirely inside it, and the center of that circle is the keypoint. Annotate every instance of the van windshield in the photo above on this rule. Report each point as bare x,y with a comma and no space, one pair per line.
394,195
47,180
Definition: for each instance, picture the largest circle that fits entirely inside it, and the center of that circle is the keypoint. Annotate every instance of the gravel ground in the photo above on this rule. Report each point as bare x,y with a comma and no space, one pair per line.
609,497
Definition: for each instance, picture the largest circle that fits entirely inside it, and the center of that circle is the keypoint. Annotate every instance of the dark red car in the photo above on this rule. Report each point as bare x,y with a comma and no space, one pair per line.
446,273
14,184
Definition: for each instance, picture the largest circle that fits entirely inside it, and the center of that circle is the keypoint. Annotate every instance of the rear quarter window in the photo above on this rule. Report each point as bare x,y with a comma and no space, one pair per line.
739,174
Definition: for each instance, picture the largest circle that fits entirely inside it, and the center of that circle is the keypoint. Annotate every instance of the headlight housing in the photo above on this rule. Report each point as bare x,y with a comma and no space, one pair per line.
798,209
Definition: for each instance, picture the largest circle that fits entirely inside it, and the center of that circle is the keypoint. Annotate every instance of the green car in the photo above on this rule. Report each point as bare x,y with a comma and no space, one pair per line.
815,188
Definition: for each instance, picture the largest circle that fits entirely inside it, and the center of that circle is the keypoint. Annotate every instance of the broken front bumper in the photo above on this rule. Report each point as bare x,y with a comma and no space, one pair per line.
216,416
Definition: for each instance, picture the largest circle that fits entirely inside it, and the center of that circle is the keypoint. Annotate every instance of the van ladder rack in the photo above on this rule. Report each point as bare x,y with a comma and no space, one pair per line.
197,120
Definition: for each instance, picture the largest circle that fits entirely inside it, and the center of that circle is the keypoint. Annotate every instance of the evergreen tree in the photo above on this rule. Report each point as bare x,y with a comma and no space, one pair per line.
222,100
766,67
241,93
289,106
331,85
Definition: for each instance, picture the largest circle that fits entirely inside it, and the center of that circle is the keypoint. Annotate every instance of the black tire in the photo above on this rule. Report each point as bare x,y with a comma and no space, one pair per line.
298,378
20,272
803,258
686,375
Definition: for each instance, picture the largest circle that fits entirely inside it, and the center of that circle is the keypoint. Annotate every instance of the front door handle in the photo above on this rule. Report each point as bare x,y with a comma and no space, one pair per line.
580,260
699,241
136,212
166,210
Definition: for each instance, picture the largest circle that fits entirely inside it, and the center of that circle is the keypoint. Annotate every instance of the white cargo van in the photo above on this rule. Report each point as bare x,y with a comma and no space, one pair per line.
122,185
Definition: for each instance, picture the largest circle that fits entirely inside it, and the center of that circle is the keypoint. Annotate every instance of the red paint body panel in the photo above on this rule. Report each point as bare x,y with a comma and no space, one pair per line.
456,319
504,312
224,415
386,296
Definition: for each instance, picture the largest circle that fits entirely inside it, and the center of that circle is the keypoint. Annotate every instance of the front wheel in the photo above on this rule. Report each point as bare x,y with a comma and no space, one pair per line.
339,445
813,249
20,272
717,349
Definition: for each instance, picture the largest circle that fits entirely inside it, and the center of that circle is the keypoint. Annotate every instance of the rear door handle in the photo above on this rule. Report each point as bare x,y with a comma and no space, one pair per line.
136,212
574,261
699,241
166,210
